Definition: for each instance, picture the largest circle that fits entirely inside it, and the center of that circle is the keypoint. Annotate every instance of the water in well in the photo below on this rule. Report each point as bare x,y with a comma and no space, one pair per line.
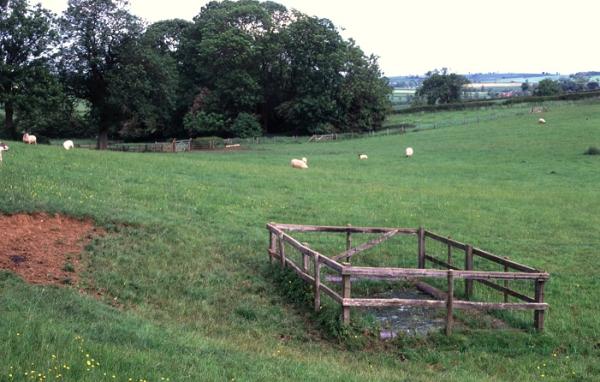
407,320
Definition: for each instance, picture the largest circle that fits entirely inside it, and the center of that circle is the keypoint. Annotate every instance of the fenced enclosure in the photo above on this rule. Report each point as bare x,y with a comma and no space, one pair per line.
513,280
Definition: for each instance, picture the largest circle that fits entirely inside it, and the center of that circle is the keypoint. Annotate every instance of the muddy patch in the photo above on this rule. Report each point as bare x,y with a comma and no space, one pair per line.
43,248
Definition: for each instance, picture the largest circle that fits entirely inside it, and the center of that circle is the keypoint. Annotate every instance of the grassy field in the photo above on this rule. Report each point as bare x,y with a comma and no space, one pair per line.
185,260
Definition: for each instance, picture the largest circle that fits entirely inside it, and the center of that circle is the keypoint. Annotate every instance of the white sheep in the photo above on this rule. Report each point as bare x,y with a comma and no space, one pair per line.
68,145
299,163
363,156
3,147
541,121
29,139
409,152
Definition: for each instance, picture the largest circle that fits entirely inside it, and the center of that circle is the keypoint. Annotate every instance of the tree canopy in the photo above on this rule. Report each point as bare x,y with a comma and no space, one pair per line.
240,68
547,87
27,36
441,87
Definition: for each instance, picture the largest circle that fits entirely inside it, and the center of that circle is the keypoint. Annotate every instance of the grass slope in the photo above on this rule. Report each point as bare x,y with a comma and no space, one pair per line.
186,263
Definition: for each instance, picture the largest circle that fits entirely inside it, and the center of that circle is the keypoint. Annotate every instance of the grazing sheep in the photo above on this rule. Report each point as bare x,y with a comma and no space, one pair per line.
68,145
29,139
409,152
297,163
363,156
3,147
541,121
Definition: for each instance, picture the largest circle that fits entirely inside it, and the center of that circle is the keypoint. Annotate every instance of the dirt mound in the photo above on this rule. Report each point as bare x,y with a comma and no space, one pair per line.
42,248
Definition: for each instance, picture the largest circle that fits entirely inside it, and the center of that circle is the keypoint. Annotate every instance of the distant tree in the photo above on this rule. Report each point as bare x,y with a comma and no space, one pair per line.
570,86
27,37
547,87
525,86
593,85
439,87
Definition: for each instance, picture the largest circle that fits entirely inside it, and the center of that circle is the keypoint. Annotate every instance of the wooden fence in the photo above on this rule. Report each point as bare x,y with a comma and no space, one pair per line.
311,262
174,146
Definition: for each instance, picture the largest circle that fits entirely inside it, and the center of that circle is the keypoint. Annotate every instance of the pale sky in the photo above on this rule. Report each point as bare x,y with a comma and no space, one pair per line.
466,36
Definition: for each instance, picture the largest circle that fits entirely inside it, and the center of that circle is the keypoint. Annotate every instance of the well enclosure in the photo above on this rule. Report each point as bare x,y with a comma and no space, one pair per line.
494,275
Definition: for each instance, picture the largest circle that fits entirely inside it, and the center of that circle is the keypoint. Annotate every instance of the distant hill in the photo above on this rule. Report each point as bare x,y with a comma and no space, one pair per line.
412,81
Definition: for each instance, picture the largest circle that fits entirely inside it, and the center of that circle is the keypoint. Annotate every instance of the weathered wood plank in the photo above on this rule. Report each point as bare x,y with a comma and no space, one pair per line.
305,276
363,247
331,293
506,290
430,290
341,229
384,302
500,260
457,304
440,262
446,240
332,264
437,273
499,305
311,252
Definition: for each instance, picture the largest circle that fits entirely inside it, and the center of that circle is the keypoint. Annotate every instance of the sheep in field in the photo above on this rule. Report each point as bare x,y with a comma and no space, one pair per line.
29,139
3,147
299,163
363,156
541,121
68,145
409,152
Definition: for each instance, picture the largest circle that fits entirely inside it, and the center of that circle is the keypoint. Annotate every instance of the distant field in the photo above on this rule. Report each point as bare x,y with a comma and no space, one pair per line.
530,79
182,289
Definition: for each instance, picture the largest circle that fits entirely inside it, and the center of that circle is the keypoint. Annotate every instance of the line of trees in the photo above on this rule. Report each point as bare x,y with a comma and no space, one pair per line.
240,68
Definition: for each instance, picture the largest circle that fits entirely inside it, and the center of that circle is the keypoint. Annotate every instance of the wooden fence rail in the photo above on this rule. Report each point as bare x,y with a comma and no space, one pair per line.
447,299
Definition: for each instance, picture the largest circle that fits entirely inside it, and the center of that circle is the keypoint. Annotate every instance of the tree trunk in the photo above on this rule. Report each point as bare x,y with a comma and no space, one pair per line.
102,139
9,124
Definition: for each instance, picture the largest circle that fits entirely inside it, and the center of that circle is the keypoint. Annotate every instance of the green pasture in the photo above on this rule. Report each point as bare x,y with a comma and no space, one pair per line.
181,289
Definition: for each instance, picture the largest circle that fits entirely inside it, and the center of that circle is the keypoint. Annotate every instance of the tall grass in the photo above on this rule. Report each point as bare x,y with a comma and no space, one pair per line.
181,287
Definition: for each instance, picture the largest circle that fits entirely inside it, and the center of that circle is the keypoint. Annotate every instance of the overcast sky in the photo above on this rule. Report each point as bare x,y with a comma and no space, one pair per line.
467,36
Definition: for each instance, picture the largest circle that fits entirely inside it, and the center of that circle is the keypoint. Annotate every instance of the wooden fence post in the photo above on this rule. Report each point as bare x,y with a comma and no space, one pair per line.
305,259
506,269
282,251
317,283
346,285
421,238
449,252
468,267
348,239
272,239
449,303
538,315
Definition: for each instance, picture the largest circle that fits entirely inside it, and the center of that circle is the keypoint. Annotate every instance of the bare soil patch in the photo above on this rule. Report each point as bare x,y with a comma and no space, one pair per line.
43,248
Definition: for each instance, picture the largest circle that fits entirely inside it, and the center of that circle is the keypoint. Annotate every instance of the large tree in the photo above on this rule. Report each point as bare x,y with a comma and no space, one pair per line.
26,40
96,34
441,87
294,73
